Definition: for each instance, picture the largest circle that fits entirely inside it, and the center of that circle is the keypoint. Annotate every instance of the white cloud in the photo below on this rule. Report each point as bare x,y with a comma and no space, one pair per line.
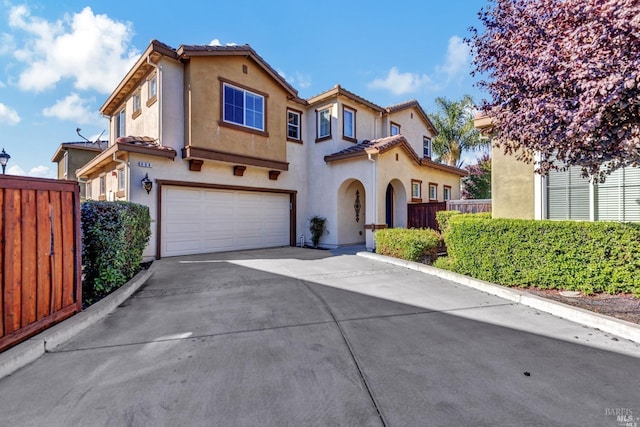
457,58
304,80
42,172
16,170
216,42
8,115
92,50
72,108
400,83
37,172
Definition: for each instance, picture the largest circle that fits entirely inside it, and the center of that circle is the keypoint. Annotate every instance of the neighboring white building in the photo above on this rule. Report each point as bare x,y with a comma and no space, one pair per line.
238,160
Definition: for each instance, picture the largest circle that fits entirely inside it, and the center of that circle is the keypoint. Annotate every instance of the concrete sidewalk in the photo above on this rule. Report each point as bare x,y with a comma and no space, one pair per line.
295,336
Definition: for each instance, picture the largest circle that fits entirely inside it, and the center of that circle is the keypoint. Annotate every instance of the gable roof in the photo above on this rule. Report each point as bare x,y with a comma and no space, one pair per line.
382,145
80,145
338,90
413,103
156,49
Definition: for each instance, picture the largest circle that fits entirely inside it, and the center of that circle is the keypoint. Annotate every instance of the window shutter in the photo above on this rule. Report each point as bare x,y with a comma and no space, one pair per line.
567,195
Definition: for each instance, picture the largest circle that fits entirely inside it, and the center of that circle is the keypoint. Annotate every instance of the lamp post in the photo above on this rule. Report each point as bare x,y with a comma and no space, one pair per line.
4,158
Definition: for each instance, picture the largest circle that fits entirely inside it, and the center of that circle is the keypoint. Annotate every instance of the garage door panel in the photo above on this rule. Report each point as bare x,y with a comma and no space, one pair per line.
208,220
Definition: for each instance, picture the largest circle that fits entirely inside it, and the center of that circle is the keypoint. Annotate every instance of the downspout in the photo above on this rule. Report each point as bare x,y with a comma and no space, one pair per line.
159,83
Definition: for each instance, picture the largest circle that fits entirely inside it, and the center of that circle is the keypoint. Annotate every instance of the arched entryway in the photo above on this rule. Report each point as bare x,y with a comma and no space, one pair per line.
351,213
395,204
389,206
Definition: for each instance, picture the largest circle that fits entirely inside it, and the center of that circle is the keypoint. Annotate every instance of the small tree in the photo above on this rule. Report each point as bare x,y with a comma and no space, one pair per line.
477,185
564,80
317,227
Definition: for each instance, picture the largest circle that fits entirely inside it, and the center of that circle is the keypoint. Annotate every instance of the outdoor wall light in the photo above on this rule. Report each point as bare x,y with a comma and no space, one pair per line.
4,158
146,183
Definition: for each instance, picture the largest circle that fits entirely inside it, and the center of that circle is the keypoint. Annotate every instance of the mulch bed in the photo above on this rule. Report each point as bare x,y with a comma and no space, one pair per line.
621,306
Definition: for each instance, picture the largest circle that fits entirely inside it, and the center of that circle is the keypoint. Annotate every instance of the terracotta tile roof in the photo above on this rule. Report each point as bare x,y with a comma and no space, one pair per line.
379,146
413,103
143,141
375,146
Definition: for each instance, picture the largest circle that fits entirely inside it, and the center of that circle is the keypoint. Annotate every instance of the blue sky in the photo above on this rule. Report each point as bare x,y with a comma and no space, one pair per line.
60,60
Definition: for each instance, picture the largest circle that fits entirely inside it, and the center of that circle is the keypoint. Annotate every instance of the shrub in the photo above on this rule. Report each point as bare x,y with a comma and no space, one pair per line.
317,227
412,245
114,235
442,218
586,256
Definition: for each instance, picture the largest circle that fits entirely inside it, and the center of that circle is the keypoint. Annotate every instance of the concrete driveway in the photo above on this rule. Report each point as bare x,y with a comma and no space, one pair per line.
298,337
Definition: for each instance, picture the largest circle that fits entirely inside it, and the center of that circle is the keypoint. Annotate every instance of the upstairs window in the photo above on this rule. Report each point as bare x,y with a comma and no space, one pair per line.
395,129
137,107
153,87
293,125
152,90
120,123
426,147
243,108
324,123
349,124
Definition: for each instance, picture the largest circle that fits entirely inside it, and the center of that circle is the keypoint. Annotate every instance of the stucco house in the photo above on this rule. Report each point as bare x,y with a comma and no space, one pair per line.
69,156
236,159
518,192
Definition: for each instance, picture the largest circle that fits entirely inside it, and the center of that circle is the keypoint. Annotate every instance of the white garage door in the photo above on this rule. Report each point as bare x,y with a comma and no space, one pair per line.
197,220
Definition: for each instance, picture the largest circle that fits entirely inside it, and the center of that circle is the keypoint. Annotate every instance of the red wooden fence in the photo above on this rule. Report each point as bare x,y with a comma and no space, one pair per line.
421,215
40,255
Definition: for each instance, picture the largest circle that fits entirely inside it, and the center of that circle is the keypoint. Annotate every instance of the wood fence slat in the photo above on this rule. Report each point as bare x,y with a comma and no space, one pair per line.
57,250
13,270
40,261
44,253
68,248
29,259
2,249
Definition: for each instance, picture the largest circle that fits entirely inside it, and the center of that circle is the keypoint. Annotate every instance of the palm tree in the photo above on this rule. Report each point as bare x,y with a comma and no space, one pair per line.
456,132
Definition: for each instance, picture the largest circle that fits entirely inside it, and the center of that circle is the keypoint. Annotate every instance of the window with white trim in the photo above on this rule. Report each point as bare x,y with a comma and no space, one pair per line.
153,87
242,107
324,123
103,187
120,123
293,125
395,129
426,147
348,124
65,161
433,191
137,106
416,190
87,190
447,192
122,179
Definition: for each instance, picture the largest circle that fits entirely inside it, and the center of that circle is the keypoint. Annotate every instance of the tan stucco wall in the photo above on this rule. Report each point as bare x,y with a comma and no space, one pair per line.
512,187
412,127
203,105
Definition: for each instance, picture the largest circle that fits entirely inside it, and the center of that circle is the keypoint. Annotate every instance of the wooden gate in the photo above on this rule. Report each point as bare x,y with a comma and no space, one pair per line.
423,215
40,257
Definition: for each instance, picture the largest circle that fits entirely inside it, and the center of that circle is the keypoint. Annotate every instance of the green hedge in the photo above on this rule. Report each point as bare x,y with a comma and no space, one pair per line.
586,256
410,244
114,235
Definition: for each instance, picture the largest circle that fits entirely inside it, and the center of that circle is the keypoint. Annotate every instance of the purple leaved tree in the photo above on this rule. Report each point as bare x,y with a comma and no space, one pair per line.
563,77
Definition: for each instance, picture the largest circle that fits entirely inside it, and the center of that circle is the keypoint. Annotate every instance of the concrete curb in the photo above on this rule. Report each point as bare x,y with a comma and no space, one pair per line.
618,327
28,351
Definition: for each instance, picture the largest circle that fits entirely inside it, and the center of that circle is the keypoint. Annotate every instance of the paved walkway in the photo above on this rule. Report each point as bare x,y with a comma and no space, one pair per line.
303,337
